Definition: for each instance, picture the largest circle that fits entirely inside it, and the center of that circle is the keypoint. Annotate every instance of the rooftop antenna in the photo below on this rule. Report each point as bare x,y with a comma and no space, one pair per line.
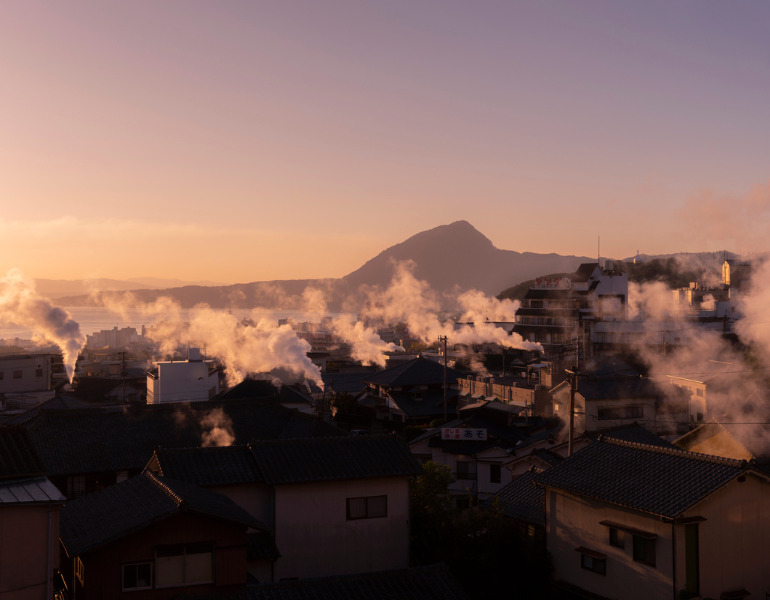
599,250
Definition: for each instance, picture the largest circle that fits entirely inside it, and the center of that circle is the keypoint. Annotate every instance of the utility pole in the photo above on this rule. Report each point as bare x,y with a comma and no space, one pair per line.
573,383
442,339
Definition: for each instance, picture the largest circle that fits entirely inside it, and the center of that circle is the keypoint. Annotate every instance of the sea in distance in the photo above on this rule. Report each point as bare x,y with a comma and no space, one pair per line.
93,319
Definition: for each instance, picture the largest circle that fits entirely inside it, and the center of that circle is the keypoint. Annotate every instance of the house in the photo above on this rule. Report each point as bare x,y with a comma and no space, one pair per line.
290,396
412,392
151,537
741,441
715,386
335,506
524,391
606,399
480,444
29,522
84,450
188,380
628,520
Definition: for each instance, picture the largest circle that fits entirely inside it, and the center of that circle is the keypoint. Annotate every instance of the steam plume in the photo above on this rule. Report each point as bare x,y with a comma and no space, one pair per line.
411,301
22,305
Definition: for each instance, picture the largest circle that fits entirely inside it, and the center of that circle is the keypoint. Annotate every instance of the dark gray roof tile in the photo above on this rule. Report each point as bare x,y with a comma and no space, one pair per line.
653,479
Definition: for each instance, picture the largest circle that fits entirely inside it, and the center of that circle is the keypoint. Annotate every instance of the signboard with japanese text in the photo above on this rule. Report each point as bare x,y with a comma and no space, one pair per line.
463,433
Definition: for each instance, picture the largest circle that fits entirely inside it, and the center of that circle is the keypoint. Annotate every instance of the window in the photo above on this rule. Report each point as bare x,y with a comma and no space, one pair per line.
367,507
617,538
183,564
1,376
17,374
495,474
137,576
644,550
38,372
466,469
593,561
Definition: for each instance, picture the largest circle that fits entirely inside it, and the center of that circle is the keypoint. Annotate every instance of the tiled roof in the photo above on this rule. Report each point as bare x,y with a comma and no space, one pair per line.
96,440
208,466
34,490
260,388
420,371
319,459
431,405
346,383
521,499
653,479
291,461
17,455
97,519
632,433
433,582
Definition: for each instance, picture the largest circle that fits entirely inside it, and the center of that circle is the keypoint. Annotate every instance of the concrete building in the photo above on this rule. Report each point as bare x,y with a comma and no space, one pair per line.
188,380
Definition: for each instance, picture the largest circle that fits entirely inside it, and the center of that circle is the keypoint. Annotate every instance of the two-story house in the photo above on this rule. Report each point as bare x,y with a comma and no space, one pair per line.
627,520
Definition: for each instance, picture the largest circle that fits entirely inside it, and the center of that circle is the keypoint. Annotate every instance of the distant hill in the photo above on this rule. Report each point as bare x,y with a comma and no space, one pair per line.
450,258
63,288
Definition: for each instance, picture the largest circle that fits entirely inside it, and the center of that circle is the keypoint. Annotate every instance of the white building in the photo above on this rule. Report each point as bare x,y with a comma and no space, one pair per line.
188,380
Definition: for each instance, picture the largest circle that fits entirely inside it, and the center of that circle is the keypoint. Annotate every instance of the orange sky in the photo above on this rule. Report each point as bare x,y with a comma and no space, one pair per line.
245,141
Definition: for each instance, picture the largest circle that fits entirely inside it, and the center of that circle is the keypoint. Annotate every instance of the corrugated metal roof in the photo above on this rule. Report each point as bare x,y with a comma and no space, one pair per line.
37,490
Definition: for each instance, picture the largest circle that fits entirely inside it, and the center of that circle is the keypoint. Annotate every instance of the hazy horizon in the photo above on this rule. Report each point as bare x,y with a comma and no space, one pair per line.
253,141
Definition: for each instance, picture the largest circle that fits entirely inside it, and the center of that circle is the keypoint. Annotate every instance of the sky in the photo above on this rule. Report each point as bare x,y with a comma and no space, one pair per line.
238,141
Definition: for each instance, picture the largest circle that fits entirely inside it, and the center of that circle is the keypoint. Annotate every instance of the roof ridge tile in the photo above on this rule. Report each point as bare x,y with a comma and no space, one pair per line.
719,460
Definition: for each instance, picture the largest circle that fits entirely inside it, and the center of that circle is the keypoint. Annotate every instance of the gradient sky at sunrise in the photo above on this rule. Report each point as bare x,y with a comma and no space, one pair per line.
238,141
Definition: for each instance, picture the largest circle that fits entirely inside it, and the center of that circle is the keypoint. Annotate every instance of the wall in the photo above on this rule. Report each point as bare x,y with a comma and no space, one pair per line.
24,550
733,539
315,538
180,382
103,567
572,522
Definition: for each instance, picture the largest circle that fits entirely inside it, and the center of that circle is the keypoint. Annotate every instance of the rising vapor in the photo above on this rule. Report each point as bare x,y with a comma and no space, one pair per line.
22,305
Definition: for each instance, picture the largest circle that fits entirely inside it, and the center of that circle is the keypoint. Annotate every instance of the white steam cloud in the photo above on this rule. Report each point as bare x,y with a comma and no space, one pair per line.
411,301
256,346
22,305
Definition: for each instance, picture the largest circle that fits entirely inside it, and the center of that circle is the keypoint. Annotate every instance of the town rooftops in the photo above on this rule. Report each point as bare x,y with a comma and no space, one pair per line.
94,520
124,438
290,461
653,479
420,371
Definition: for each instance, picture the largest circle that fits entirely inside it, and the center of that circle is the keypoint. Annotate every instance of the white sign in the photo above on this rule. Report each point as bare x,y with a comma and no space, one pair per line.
463,433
